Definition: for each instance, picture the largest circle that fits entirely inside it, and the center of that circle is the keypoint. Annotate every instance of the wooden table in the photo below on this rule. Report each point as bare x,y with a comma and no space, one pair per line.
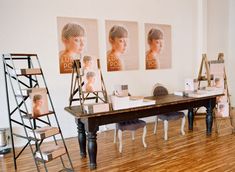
89,123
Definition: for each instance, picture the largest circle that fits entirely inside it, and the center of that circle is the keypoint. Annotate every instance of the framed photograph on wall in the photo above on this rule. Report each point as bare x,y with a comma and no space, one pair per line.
122,45
77,37
158,53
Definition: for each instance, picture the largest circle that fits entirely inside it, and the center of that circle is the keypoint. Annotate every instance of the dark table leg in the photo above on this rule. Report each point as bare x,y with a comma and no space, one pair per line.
81,138
92,149
190,119
209,118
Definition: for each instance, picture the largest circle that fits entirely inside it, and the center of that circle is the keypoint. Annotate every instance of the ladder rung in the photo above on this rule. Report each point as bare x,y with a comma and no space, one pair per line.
50,153
29,116
44,132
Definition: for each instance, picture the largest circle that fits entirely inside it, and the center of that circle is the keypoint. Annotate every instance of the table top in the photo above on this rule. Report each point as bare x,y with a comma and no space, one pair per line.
160,101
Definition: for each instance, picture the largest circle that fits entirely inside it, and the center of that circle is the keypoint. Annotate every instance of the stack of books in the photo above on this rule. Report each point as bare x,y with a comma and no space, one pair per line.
96,107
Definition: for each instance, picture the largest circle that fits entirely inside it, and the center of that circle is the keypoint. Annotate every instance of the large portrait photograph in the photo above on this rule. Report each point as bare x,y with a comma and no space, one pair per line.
122,45
77,38
158,46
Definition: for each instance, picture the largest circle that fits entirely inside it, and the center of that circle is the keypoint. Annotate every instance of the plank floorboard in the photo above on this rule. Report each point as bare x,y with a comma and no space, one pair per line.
193,152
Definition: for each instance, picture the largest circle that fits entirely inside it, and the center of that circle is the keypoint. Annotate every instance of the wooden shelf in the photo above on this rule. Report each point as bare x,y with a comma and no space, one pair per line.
31,71
49,153
29,116
44,132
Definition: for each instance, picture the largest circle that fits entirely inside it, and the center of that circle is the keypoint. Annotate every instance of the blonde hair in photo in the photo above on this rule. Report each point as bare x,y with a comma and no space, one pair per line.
118,32
72,30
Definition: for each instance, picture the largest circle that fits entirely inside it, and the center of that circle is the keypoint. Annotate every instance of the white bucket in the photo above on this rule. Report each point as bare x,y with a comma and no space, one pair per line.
3,138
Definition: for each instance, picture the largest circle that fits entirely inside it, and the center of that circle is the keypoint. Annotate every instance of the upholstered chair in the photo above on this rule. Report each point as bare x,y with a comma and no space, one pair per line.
160,90
132,126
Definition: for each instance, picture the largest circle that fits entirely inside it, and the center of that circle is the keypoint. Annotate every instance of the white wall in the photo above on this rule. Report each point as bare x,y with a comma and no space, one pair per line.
29,26
221,36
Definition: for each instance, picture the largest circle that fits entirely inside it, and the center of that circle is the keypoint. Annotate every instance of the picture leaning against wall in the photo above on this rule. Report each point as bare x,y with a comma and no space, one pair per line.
157,46
77,37
122,45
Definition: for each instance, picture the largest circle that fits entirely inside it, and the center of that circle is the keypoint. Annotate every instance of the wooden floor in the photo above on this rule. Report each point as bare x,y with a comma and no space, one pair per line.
192,152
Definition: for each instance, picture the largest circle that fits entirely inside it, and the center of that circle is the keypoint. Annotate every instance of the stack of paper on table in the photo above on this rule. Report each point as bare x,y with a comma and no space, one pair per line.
210,91
130,102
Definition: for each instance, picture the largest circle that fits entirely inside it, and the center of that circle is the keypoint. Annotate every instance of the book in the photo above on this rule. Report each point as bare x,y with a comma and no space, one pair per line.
136,97
125,102
50,152
26,92
96,107
206,92
44,132
30,71
180,93
39,102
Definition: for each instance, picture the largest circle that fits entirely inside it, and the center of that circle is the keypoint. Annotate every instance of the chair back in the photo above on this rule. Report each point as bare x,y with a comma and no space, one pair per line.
160,90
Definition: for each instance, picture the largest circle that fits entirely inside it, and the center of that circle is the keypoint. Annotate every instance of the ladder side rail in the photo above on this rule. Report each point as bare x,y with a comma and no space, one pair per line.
12,87
53,109
8,109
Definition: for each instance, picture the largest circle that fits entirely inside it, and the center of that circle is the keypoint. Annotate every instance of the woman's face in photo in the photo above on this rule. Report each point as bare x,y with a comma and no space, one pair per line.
91,80
119,44
75,44
39,102
157,45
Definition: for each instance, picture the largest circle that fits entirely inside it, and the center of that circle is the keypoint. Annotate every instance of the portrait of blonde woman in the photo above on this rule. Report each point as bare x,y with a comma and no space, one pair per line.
158,46
77,37
118,41
122,46
73,38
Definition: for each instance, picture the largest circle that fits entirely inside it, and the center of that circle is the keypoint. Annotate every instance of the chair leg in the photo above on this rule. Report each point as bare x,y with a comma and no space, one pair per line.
165,130
133,135
120,140
155,125
144,135
115,134
182,125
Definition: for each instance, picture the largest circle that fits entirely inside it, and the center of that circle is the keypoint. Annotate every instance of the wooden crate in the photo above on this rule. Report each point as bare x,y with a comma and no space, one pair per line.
232,115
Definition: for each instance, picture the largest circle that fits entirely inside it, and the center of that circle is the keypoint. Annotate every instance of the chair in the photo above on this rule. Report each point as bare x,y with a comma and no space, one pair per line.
132,126
160,90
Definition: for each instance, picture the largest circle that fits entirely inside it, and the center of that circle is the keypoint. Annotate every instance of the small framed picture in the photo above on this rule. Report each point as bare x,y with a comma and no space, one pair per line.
218,82
121,90
223,109
92,81
39,102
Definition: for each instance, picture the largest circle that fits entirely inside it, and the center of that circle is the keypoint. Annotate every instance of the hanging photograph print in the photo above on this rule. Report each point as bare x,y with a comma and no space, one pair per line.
76,38
157,46
122,45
